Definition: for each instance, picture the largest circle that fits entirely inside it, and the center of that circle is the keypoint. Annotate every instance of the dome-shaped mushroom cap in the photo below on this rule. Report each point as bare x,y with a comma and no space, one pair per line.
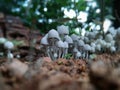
44,40
91,35
68,39
60,44
112,31
86,39
112,49
81,43
74,37
53,34
8,45
93,44
78,54
63,29
65,44
92,49
98,47
2,40
75,50
87,47
108,38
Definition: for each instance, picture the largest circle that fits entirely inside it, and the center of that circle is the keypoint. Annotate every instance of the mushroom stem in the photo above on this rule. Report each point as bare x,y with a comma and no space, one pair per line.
8,55
60,52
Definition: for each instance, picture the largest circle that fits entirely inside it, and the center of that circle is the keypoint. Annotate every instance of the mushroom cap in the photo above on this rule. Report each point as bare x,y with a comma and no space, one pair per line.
2,40
112,49
74,37
112,31
81,43
91,35
92,49
98,47
78,54
108,38
87,47
53,34
65,44
60,44
63,29
44,40
68,39
93,44
8,45
86,39
75,50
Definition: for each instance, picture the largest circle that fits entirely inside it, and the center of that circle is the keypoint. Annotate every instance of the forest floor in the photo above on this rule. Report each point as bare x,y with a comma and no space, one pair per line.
43,74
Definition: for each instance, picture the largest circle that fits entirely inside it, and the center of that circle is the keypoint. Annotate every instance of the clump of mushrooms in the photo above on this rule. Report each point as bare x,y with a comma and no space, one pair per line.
58,43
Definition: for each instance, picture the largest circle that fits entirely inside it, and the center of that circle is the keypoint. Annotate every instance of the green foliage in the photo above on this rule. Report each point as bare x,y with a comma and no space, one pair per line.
68,56
47,14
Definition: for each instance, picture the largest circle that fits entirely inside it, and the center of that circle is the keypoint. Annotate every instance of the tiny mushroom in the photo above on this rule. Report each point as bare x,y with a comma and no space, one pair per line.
87,49
2,40
53,37
60,45
78,55
9,46
75,38
63,30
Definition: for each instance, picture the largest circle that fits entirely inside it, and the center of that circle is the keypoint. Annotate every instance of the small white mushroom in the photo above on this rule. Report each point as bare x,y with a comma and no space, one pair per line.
98,48
75,38
53,37
44,40
112,49
9,46
87,49
108,38
68,39
65,49
75,50
63,30
60,45
86,39
2,40
44,43
78,55
81,45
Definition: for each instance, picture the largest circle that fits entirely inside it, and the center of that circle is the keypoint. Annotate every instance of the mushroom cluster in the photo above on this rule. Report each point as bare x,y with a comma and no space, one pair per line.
58,43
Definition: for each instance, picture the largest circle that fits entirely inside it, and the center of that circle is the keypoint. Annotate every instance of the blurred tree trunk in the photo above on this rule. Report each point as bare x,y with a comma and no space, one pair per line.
116,13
